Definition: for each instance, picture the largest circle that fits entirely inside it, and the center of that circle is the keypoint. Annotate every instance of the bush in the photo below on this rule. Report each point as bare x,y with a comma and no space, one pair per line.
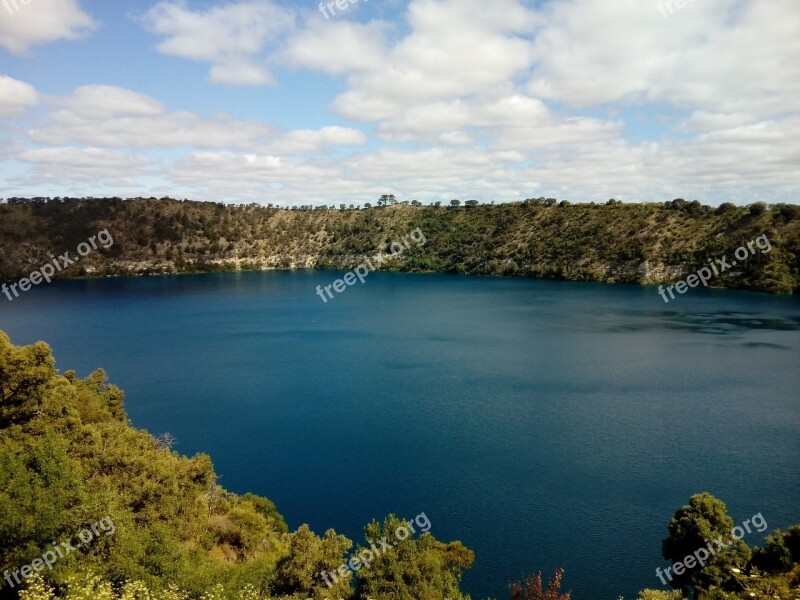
659,595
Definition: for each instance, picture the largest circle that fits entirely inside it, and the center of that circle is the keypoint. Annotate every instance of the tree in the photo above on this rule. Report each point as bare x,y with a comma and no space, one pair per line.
694,207
308,556
788,211
471,203
412,569
781,552
455,202
27,375
757,208
692,533
531,588
267,508
677,204
387,199
165,441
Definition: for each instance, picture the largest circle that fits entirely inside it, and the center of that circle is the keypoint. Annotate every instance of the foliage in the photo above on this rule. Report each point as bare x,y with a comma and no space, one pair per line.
659,595
299,571
413,569
617,242
781,552
532,588
704,518
93,587
69,457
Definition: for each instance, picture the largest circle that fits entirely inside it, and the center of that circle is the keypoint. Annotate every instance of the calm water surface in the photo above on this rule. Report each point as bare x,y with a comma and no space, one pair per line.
543,424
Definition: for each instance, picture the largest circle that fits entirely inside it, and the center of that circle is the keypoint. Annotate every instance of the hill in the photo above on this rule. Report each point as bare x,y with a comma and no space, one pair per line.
615,242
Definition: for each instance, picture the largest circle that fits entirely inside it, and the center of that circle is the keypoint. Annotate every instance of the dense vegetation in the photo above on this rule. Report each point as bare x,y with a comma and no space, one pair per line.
615,242
69,456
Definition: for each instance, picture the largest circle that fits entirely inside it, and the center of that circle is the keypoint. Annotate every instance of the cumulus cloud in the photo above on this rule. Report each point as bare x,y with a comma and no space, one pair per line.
359,178
103,101
338,48
107,116
113,117
723,57
455,78
578,99
515,121
455,48
742,165
70,164
258,177
40,22
306,141
16,97
231,37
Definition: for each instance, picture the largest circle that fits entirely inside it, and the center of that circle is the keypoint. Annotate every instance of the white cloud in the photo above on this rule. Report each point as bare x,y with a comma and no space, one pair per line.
577,99
68,164
456,138
239,72
720,56
27,24
454,78
427,174
306,141
338,47
510,122
363,107
107,116
253,177
104,101
740,165
112,117
16,97
456,48
230,37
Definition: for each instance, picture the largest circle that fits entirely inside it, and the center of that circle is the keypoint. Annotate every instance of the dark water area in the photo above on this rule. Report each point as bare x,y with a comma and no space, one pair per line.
544,424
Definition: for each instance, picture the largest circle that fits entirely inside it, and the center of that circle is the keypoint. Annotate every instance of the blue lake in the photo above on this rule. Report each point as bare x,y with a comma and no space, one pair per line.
543,424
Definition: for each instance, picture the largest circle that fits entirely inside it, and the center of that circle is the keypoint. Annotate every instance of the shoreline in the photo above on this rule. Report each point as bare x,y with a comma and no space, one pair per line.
640,244
404,272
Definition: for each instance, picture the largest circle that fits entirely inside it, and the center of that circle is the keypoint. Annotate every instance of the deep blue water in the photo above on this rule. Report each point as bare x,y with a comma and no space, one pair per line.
543,424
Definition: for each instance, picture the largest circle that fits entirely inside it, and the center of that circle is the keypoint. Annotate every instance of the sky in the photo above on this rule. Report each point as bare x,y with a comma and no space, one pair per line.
293,102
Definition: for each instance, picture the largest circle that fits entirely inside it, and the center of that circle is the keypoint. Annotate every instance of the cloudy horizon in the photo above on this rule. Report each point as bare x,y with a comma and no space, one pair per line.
301,103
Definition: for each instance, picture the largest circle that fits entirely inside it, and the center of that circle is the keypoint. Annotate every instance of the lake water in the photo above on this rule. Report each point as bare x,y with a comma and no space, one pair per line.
543,424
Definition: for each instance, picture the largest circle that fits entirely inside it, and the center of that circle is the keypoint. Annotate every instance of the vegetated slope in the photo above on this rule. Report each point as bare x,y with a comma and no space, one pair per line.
69,458
635,243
